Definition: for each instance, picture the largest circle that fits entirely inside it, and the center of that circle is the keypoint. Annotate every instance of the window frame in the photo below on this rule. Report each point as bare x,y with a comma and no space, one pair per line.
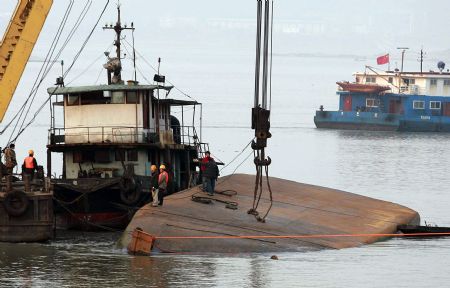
418,101
376,102
370,78
73,95
136,95
433,82
435,102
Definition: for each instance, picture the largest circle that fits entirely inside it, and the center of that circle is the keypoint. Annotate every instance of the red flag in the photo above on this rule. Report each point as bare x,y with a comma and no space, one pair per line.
383,59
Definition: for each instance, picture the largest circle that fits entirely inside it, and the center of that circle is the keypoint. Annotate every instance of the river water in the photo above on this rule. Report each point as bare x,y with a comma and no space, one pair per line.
406,168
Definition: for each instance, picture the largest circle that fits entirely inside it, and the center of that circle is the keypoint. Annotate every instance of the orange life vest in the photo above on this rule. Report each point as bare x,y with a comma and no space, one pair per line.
29,163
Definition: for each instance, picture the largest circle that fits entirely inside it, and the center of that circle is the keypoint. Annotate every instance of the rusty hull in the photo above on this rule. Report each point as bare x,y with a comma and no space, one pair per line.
298,209
35,225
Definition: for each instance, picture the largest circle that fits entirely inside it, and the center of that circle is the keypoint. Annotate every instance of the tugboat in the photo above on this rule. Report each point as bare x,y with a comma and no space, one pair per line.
392,101
112,135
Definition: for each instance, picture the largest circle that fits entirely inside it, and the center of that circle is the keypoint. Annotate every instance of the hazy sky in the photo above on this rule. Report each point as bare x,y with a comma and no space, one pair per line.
325,26
208,31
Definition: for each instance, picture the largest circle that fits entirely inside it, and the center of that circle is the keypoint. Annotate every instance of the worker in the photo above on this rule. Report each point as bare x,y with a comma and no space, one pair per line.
205,160
210,174
10,158
29,164
154,185
163,180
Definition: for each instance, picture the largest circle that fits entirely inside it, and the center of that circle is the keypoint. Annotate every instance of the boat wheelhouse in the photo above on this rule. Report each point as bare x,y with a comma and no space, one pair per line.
391,100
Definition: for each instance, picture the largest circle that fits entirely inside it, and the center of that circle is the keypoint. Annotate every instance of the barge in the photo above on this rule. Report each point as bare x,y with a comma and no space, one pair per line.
26,210
391,101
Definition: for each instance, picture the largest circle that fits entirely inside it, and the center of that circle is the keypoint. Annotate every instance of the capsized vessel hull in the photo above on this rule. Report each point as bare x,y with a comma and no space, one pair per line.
298,209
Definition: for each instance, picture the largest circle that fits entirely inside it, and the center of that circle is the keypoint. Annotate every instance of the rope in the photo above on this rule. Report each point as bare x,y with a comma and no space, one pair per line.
307,236
88,222
156,70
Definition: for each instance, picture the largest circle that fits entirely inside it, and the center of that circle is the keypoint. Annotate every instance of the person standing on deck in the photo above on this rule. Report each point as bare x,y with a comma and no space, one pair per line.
163,180
205,160
154,185
10,158
211,174
29,164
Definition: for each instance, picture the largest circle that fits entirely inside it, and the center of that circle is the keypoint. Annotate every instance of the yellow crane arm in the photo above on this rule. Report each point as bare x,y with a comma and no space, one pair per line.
17,44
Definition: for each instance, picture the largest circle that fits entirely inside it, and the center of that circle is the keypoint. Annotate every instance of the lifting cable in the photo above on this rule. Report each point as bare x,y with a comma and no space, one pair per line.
51,49
65,74
49,64
261,111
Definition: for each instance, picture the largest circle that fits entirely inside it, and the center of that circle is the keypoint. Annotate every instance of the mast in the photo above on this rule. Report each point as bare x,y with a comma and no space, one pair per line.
114,65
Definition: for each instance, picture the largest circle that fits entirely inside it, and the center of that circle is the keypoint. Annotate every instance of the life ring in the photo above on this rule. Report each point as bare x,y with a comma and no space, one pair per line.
16,203
130,191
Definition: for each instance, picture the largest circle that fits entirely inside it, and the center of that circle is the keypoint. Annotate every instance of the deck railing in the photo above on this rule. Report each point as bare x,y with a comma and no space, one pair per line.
185,135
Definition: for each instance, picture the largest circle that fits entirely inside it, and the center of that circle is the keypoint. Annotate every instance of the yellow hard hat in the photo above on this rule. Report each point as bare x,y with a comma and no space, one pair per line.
153,168
162,167
30,152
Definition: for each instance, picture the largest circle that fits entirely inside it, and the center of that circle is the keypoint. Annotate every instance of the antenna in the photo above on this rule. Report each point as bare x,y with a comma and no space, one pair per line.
422,55
403,56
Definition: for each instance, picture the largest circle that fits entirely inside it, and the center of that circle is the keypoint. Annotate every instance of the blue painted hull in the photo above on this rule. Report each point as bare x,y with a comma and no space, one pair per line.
374,121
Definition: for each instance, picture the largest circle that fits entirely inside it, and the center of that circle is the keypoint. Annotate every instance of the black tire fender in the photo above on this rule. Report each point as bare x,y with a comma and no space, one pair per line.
16,203
130,191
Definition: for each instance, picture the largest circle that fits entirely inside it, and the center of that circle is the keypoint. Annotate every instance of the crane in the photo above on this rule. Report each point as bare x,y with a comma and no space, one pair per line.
17,44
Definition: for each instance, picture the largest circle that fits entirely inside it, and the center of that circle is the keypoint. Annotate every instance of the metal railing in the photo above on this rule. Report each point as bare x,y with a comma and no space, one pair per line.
412,90
185,135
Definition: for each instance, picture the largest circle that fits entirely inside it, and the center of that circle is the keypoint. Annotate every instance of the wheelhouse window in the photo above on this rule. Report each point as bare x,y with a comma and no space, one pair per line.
371,80
409,81
117,97
132,97
73,99
435,105
370,102
433,82
446,82
91,98
132,155
120,155
102,156
418,104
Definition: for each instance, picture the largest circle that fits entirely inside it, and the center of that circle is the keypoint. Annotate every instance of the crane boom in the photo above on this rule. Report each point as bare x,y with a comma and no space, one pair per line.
17,44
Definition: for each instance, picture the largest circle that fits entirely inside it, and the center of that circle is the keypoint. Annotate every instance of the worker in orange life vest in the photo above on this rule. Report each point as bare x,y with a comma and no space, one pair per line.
29,164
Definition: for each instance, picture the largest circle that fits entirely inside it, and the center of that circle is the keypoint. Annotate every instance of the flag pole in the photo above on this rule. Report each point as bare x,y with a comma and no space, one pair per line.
389,63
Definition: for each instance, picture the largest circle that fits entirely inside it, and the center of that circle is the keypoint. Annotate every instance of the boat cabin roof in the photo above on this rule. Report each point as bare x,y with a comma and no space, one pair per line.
95,88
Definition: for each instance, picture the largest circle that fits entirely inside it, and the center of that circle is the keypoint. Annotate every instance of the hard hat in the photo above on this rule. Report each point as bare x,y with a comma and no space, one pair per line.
162,167
153,168
30,152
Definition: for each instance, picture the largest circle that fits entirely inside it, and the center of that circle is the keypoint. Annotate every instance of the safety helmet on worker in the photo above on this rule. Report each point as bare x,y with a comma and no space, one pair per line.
153,168
30,152
162,167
